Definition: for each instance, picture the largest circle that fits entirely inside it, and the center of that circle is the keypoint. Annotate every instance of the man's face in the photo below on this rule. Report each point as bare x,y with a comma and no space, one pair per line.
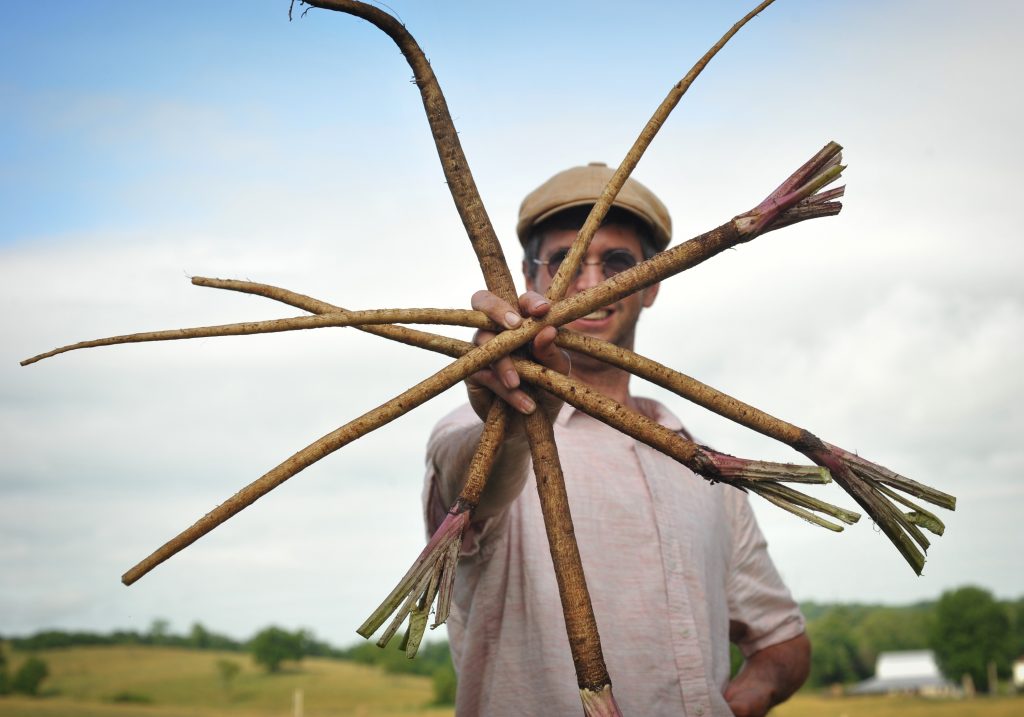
615,323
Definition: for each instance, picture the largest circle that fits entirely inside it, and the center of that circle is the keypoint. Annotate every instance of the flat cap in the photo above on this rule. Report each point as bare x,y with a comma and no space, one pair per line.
582,186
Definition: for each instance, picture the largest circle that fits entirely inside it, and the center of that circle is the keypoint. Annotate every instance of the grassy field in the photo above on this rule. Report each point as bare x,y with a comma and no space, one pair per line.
814,706
168,682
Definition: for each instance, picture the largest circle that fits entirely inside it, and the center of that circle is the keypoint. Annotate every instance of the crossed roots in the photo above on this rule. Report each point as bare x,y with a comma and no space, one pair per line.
799,198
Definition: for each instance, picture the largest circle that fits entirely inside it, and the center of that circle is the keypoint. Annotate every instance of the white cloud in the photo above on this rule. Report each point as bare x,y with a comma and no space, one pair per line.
894,329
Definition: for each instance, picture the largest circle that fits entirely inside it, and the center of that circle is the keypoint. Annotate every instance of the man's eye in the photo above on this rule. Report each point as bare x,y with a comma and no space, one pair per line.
617,262
556,259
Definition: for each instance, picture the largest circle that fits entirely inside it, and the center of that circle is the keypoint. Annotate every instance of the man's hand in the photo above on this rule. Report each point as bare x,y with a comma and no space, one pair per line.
769,677
501,377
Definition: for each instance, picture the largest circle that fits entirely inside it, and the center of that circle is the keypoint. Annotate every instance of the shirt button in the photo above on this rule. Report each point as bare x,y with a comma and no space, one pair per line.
699,710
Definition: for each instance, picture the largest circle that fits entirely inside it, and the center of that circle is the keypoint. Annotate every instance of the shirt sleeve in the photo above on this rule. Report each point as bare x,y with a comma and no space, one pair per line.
449,452
761,610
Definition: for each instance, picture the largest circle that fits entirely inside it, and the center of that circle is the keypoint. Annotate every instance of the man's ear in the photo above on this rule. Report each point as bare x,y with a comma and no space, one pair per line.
649,294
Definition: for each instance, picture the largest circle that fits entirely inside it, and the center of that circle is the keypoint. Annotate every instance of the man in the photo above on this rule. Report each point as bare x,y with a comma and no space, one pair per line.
676,567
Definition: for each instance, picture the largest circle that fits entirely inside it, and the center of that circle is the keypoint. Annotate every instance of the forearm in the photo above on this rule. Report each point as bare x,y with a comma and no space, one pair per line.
769,677
452,452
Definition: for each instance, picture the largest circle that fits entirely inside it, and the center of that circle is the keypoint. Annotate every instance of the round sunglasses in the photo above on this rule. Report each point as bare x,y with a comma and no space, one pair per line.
613,261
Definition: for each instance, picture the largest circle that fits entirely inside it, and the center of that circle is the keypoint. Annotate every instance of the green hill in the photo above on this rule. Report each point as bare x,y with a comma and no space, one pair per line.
136,681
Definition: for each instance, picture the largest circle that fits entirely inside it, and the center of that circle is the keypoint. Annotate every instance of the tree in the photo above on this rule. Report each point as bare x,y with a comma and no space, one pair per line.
159,630
1015,614
272,646
885,629
834,657
971,629
29,676
199,637
5,685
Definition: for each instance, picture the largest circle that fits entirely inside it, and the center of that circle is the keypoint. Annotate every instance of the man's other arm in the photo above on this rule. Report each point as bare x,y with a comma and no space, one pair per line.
764,622
769,676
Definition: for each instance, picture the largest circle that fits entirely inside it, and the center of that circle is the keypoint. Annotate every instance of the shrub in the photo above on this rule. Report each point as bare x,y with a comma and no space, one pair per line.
445,683
228,670
272,646
29,676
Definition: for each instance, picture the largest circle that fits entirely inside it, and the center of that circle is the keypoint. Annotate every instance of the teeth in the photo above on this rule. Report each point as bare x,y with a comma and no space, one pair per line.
597,315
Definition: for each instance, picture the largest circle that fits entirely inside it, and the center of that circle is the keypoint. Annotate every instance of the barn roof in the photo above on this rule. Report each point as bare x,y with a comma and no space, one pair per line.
905,671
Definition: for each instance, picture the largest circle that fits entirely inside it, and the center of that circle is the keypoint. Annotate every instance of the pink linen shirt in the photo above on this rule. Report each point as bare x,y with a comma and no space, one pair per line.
669,558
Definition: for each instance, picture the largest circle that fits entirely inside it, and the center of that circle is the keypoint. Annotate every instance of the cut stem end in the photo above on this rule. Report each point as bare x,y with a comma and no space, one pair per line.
599,702
430,577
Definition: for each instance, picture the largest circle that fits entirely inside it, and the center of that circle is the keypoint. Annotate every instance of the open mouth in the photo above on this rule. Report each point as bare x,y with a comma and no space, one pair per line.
598,315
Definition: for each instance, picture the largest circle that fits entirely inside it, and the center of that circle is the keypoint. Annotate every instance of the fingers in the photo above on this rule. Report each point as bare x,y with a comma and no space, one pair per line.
500,312
503,369
534,304
545,351
483,384
501,378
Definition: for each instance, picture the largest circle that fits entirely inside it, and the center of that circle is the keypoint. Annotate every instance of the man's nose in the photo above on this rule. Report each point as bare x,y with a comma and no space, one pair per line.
591,273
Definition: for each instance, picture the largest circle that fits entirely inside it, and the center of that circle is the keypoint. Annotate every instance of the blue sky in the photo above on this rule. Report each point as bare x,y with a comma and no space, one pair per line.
141,144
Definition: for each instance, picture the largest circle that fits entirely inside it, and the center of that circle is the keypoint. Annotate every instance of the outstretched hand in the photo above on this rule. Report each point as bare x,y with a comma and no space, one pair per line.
500,378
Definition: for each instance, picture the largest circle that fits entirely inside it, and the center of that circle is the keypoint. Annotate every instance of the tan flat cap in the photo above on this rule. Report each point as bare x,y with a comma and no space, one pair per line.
581,186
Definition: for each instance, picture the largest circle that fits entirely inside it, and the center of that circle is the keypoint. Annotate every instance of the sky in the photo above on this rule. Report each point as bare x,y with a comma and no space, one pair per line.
142,144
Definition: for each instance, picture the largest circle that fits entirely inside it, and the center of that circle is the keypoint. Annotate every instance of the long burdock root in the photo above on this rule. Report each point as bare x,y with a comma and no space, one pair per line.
402,334
458,177
809,180
449,317
324,446
580,623
871,485
585,642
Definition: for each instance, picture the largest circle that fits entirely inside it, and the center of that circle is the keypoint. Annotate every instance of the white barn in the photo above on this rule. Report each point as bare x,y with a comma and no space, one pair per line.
910,671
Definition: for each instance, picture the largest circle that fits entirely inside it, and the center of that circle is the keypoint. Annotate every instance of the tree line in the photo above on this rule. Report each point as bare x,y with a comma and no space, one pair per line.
967,628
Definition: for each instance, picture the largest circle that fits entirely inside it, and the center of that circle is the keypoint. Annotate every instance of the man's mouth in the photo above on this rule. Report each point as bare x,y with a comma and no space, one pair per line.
598,315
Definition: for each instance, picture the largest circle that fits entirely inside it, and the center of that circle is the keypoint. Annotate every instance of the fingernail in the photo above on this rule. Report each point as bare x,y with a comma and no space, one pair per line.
511,378
512,320
526,405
